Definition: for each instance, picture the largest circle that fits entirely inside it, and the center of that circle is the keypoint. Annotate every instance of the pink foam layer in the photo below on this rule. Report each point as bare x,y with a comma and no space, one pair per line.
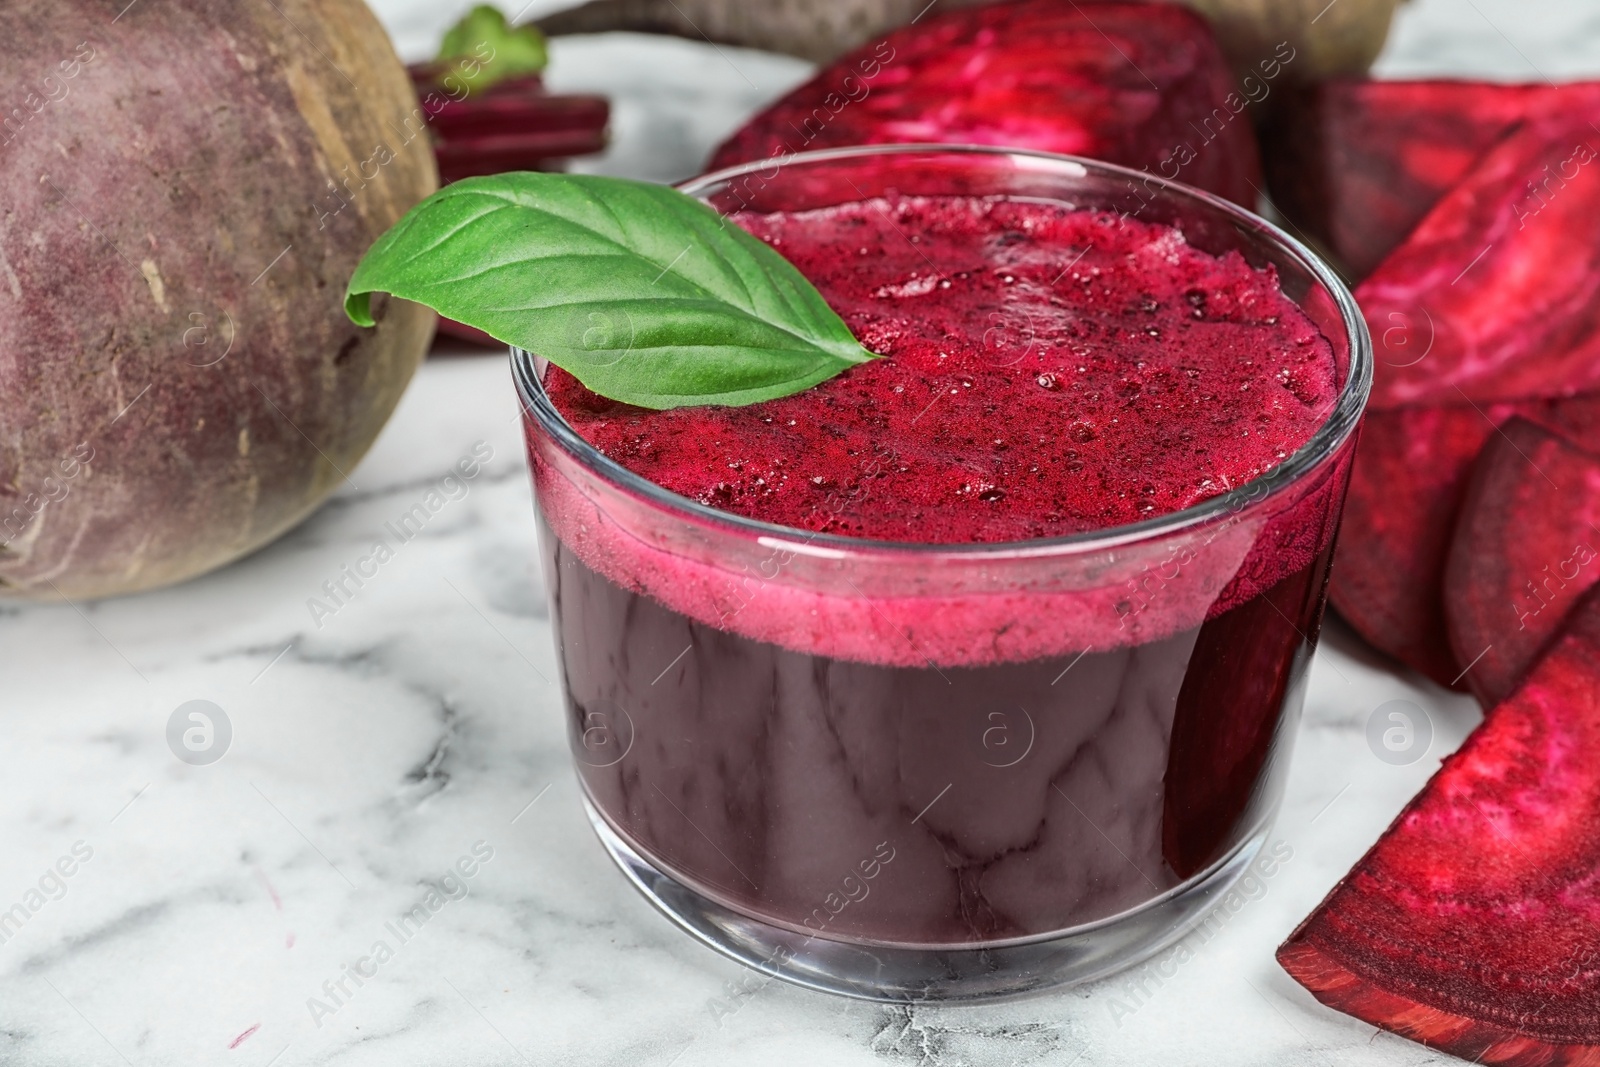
901,609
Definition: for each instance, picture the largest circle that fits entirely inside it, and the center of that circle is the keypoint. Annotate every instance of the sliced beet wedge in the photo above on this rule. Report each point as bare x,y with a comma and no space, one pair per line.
1411,469
1473,925
514,124
1496,293
1141,84
1358,163
516,129
1524,553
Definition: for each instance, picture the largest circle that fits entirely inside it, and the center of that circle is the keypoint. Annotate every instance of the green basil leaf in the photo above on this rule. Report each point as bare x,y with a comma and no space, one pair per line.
491,49
644,294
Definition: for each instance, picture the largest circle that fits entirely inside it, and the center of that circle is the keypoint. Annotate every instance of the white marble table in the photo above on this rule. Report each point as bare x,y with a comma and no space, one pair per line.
371,753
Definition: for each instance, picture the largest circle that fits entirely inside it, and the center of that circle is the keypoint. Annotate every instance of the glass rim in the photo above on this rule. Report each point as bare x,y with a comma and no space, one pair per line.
1336,428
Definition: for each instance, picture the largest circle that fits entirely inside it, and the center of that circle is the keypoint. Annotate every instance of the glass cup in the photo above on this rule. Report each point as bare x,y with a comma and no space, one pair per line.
934,771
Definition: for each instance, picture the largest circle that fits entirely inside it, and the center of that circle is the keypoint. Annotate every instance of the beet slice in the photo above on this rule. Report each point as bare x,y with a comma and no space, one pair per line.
1496,293
1473,925
512,125
1523,554
516,128
1358,163
1141,84
1411,470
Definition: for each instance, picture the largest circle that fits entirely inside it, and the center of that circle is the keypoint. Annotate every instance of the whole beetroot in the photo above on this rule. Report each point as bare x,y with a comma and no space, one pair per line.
188,187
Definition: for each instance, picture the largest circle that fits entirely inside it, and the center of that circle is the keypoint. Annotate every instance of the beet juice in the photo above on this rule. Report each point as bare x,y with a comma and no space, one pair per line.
983,643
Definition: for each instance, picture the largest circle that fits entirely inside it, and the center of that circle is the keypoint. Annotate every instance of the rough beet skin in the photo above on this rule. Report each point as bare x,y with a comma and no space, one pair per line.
1473,925
178,381
1141,84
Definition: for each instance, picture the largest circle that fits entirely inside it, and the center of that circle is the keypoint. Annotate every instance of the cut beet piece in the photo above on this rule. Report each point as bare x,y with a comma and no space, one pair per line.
1496,293
1141,84
1411,470
1358,163
1473,925
512,125
521,129
1523,555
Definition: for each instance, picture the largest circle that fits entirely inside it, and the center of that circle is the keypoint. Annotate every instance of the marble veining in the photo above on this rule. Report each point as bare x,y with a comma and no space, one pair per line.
381,749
